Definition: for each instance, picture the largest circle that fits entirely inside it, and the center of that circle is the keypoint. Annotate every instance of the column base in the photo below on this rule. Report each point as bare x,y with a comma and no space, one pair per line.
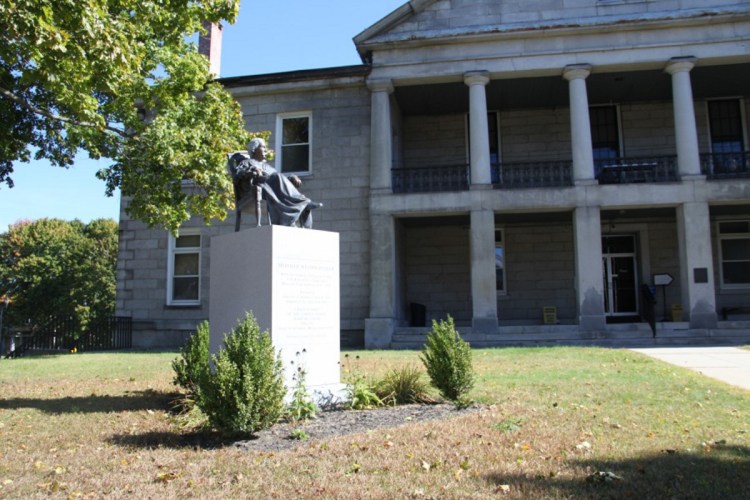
484,325
379,332
585,182
592,323
705,320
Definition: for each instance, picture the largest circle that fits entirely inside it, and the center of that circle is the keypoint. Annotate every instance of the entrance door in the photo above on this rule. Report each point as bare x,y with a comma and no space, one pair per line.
620,276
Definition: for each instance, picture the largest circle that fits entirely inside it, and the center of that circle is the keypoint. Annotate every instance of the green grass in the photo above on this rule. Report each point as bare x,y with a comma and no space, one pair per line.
97,425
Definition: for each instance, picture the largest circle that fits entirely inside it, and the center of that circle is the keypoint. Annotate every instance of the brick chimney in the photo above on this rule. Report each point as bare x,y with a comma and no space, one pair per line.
209,44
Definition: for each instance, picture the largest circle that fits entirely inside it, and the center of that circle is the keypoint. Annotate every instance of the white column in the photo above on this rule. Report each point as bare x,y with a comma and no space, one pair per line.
381,324
380,134
589,275
580,123
686,133
696,264
479,139
483,286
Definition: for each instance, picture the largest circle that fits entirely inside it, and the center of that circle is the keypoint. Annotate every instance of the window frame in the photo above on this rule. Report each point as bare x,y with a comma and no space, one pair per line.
173,250
721,237
740,102
502,245
618,124
279,145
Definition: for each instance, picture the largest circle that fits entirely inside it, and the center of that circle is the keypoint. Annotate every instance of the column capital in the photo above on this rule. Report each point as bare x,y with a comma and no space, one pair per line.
477,78
680,64
576,71
382,85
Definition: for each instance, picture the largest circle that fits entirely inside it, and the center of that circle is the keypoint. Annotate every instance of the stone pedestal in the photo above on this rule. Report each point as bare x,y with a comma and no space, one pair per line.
289,279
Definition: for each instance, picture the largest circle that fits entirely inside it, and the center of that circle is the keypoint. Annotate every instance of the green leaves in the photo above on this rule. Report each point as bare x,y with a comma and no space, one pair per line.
52,267
73,76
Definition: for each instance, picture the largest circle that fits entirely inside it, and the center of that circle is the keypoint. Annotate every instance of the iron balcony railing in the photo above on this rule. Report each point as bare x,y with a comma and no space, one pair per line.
538,174
726,165
639,169
430,179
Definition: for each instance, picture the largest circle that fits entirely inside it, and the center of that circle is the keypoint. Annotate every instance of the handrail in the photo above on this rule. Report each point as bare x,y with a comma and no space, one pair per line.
430,179
627,170
648,310
725,165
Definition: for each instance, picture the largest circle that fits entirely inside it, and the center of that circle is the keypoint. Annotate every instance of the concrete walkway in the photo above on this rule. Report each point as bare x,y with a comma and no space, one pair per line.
728,364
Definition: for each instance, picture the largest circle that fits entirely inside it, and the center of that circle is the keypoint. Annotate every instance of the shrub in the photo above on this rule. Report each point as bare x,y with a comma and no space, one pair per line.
192,367
447,358
245,392
403,386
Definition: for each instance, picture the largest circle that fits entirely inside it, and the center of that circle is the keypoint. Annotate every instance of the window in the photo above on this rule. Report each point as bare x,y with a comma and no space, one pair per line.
605,134
725,122
499,261
293,146
184,280
734,254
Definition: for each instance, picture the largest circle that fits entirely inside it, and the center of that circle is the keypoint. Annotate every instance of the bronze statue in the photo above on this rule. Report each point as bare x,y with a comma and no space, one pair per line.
254,177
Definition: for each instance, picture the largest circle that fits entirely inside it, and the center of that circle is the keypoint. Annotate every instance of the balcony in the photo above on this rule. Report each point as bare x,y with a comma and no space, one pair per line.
635,170
726,165
430,179
532,174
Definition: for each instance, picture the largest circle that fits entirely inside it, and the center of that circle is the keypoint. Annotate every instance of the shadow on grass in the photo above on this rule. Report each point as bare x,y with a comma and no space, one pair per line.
135,401
722,471
206,440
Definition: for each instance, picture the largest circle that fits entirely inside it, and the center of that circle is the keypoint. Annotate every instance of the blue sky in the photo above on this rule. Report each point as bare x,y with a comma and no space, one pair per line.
268,37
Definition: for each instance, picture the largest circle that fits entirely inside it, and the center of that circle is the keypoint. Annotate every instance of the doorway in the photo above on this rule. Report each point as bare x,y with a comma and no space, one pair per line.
620,277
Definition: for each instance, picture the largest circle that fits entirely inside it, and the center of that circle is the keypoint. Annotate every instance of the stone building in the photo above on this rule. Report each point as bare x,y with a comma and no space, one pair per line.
539,170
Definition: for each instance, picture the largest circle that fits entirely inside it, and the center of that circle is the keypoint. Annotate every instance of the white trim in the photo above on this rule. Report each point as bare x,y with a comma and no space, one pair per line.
171,252
729,236
279,161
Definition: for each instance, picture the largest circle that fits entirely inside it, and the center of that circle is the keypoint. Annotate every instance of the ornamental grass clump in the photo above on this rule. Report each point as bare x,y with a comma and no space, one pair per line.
402,386
245,391
447,358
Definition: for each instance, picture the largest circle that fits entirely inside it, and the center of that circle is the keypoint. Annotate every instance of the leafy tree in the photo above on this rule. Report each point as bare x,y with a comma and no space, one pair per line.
52,267
122,80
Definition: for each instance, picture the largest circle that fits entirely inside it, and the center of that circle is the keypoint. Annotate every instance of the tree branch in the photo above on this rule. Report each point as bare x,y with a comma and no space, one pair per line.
52,116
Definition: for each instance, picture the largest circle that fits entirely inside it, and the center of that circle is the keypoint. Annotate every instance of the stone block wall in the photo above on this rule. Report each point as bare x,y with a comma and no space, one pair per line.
339,179
540,272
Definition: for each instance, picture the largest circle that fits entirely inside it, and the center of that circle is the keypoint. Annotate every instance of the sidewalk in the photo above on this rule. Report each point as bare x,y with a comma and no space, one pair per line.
728,364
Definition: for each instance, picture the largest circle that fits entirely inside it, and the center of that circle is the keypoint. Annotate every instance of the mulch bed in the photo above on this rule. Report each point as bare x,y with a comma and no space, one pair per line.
340,422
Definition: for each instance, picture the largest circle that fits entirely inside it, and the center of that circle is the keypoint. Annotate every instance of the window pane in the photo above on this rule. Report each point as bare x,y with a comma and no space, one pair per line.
499,268
295,131
736,272
188,241
735,249
295,158
726,126
186,264
618,244
185,289
734,227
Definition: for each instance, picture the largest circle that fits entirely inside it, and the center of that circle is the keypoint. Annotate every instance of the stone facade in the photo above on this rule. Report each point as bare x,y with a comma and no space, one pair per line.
605,140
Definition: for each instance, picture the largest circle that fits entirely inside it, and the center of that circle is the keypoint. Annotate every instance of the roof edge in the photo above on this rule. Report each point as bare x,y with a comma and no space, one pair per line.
293,76
391,20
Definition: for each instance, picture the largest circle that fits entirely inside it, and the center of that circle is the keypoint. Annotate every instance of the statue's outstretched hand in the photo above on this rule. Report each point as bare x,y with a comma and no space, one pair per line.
296,181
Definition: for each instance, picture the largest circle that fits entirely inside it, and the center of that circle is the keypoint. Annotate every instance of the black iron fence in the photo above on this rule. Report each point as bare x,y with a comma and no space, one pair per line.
539,174
66,334
726,165
638,169
430,179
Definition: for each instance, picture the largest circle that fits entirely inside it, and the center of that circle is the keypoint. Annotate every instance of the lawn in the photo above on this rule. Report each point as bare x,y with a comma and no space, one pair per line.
556,422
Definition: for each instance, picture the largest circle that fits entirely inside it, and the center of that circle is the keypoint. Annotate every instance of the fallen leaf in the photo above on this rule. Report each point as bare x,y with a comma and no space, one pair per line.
165,477
503,488
426,466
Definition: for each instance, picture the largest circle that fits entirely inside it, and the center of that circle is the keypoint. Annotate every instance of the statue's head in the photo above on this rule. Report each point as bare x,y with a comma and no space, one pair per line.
254,143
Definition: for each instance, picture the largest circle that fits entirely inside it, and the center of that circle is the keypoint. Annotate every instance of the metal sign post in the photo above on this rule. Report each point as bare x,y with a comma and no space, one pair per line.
663,280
